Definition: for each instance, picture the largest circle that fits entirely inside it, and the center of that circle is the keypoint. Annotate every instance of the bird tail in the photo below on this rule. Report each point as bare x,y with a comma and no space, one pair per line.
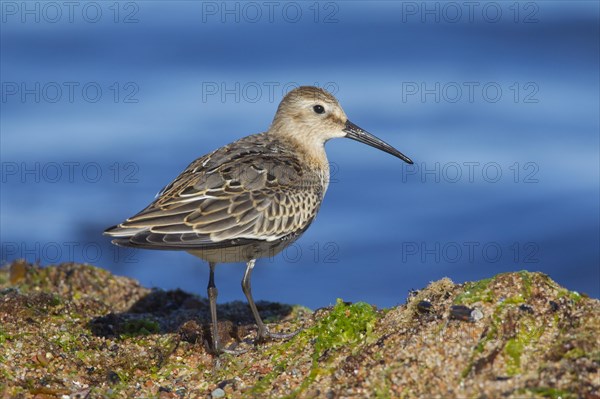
121,235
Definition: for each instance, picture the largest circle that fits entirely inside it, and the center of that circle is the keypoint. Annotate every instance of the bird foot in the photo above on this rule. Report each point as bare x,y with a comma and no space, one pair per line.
231,350
264,335
235,352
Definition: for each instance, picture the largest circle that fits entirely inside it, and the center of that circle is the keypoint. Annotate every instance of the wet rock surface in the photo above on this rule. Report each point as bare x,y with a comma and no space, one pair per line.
75,330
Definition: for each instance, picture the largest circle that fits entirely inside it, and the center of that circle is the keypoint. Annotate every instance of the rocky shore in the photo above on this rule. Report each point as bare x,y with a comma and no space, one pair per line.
77,331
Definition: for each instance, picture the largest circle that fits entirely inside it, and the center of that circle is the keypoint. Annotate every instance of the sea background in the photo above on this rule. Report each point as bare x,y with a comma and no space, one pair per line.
104,103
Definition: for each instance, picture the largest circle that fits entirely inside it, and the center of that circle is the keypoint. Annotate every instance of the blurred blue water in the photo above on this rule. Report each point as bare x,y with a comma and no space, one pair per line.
505,178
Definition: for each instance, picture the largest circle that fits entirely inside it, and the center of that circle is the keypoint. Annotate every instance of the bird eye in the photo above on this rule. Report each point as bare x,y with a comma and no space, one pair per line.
319,109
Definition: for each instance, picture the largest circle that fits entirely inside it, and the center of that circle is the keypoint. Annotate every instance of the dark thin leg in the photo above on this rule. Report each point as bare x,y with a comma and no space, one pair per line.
263,331
212,297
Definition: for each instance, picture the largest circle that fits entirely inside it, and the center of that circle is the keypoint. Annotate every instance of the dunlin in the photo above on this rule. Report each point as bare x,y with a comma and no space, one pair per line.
251,198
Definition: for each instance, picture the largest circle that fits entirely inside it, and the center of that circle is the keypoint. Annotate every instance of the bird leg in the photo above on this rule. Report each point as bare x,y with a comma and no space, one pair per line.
263,331
212,297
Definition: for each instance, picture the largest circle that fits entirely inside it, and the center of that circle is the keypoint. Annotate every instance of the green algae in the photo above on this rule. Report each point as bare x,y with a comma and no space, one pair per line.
482,290
527,329
575,353
526,283
137,327
344,350
345,327
551,393
265,382
3,336
572,295
513,350
528,333
476,291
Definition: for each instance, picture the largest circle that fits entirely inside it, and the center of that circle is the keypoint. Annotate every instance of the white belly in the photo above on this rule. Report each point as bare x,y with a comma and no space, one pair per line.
242,253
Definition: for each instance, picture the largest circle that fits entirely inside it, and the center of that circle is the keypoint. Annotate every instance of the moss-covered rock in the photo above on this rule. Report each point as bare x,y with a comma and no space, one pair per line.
79,331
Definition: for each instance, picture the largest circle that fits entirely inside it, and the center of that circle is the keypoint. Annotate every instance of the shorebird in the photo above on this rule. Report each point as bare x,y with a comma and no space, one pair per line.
251,198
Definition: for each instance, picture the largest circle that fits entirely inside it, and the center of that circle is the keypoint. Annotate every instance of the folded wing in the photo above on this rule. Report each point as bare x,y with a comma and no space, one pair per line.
227,198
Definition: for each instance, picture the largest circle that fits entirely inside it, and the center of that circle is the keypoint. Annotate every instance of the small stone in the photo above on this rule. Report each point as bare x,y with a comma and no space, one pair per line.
476,315
460,312
424,306
224,383
113,377
411,294
191,332
218,393
465,313
526,308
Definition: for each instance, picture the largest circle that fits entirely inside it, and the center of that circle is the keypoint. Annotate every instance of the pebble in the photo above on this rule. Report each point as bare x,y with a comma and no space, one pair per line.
218,393
465,313
424,307
460,312
526,308
476,314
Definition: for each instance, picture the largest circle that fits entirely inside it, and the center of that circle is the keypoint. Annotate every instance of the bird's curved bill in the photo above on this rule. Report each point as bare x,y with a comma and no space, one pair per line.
356,133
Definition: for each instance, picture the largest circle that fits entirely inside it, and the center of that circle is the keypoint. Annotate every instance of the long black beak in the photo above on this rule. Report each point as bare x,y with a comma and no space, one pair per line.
356,133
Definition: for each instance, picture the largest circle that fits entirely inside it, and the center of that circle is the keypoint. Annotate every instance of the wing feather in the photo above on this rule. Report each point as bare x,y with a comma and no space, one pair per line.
228,197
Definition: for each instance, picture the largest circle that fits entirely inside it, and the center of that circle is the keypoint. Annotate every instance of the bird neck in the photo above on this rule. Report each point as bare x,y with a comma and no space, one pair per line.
309,148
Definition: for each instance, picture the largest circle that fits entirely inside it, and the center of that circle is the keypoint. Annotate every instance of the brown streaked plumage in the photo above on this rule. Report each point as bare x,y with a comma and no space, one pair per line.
251,198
